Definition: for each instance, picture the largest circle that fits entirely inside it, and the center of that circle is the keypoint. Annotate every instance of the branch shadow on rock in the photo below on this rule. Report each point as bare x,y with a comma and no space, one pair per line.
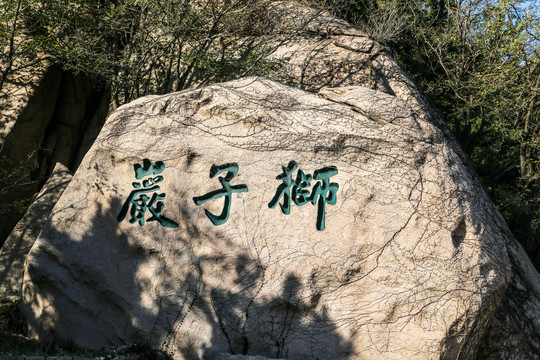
107,288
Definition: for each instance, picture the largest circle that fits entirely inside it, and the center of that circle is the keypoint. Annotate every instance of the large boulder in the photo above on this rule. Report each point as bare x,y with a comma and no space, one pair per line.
13,252
255,218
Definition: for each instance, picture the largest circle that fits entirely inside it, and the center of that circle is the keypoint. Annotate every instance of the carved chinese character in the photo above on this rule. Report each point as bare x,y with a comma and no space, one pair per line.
226,191
322,193
138,202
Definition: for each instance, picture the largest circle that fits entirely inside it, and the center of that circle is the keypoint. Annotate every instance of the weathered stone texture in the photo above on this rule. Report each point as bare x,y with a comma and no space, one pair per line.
412,263
47,115
13,252
514,332
320,50
314,60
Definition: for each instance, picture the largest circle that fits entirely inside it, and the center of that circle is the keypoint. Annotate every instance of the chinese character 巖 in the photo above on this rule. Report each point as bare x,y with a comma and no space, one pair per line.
138,202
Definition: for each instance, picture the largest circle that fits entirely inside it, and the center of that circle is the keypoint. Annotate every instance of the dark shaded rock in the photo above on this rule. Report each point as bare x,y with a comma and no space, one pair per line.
18,244
26,120
60,119
514,332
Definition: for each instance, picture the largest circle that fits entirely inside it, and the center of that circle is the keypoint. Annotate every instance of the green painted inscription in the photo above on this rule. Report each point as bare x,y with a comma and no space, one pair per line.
323,191
291,189
227,190
138,202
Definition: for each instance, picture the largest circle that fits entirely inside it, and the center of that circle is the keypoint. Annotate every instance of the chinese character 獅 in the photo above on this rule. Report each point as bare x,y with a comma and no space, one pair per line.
323,191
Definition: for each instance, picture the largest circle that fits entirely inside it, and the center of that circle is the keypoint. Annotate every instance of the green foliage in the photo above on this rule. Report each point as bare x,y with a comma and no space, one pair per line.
152,47
14,43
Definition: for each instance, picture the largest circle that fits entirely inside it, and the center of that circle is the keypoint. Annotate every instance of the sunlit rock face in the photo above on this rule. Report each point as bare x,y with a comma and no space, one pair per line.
254,218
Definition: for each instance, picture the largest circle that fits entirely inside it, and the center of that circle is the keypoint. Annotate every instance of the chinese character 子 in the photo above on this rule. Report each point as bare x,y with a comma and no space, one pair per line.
227,190
138,202
323,191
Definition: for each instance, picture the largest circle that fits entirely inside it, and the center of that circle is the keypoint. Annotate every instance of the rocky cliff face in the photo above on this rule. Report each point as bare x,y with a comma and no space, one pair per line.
405,258
48,117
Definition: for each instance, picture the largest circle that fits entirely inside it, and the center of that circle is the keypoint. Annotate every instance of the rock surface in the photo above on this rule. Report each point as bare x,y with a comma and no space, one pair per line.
13,252
25,112
47,115
514,332
321,50
412,262
330,52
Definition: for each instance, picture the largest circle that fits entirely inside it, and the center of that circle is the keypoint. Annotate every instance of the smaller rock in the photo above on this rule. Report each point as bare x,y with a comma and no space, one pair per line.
119,349
10,357
19,242
354,43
